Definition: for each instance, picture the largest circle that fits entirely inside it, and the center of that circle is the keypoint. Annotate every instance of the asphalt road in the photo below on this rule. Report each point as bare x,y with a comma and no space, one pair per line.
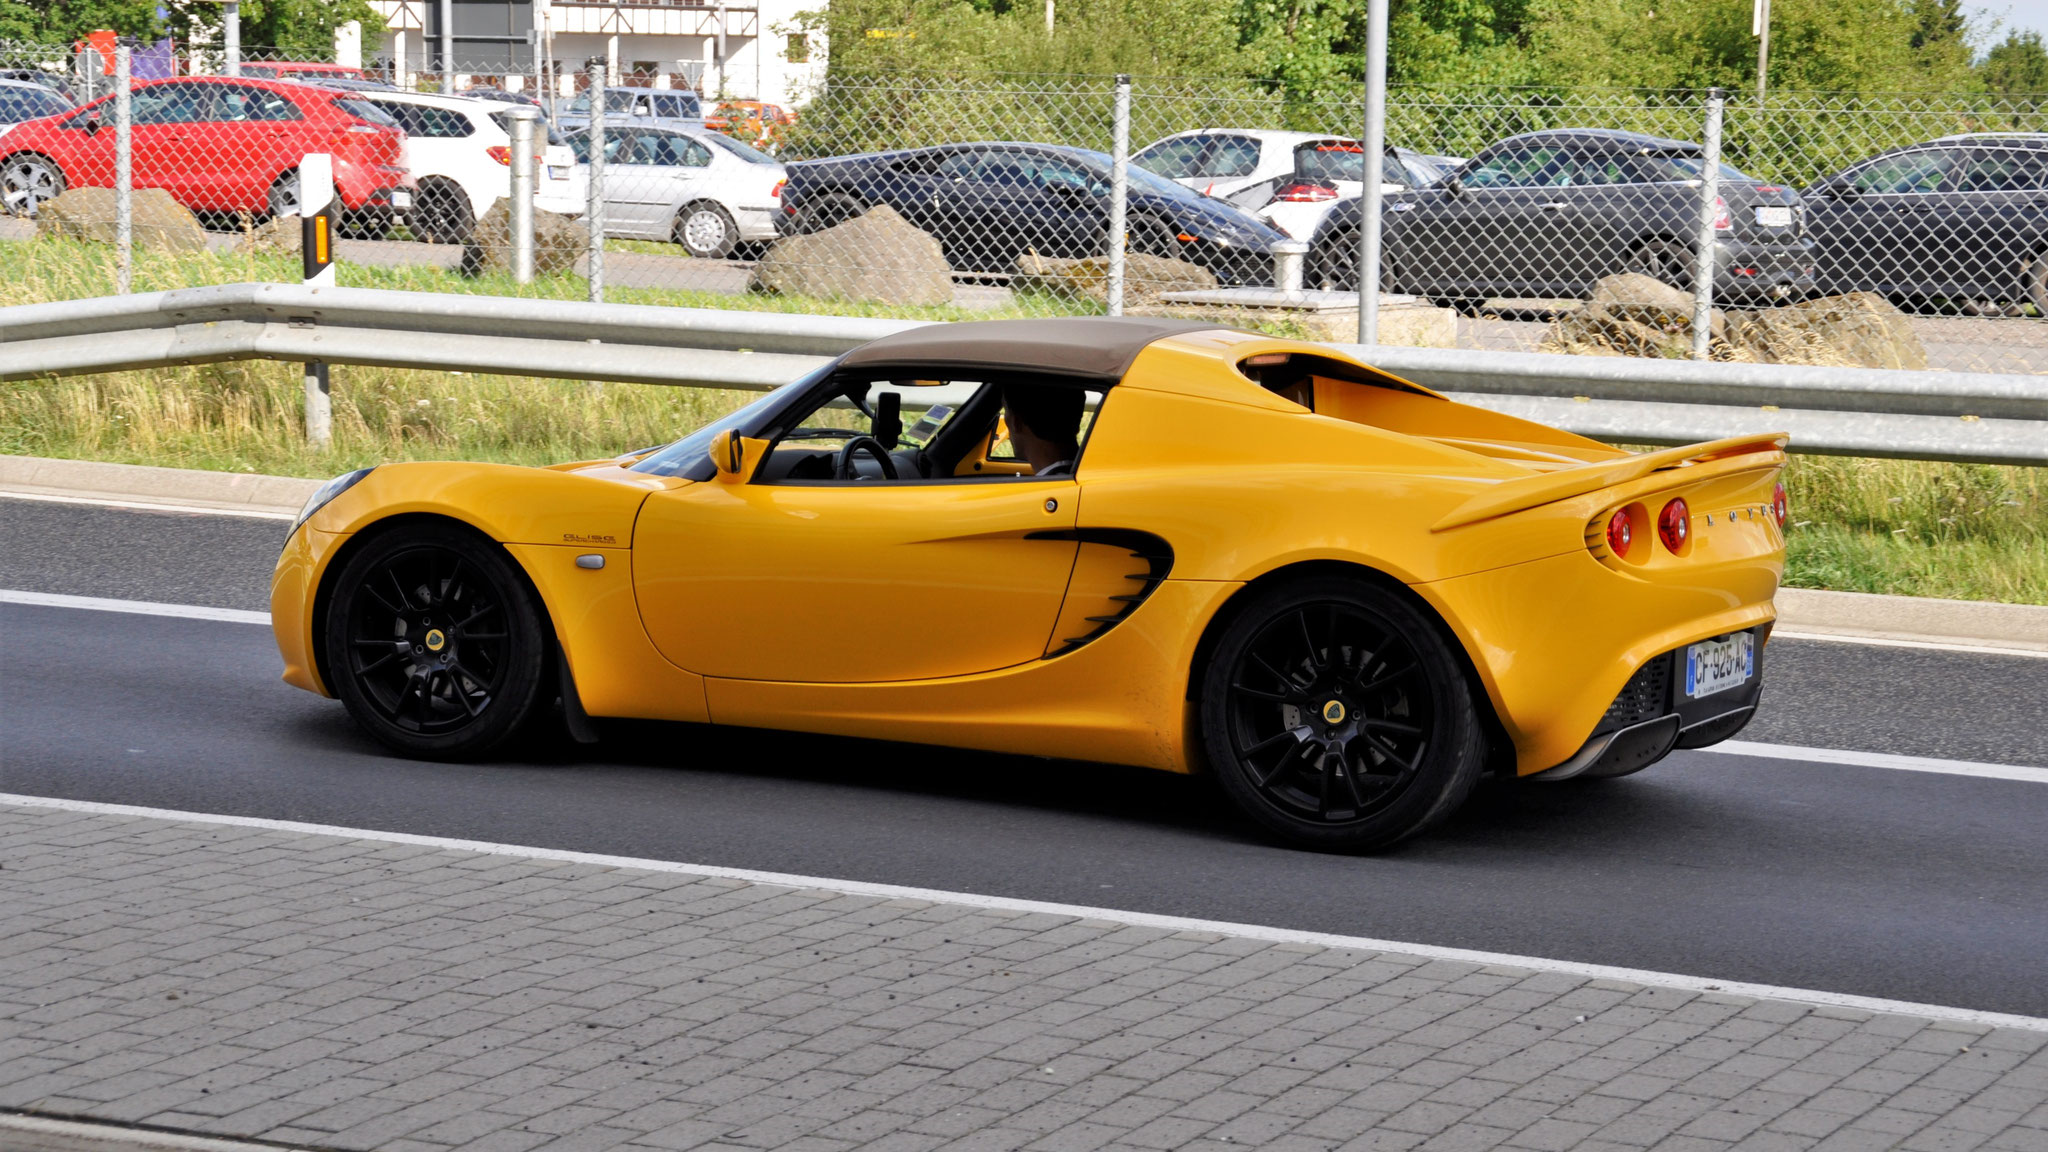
1852,879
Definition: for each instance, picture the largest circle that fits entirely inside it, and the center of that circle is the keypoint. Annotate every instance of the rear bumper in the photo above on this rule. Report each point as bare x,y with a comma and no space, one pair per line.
1652,715
1745,271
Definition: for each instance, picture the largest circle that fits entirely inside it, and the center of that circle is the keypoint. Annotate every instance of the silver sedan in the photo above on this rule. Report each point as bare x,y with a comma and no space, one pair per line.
686,184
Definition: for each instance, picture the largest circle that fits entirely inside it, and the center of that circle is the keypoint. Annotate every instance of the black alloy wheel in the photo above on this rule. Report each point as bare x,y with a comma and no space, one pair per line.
441,214
434,643
1333,264
1666,262
1334,715
1152,237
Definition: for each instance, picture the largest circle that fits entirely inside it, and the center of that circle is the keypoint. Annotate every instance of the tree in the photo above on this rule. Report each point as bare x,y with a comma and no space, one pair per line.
63,21
296,29
2017,66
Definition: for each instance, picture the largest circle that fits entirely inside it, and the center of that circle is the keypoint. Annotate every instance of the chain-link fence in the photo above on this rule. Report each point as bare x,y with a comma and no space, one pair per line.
1897,231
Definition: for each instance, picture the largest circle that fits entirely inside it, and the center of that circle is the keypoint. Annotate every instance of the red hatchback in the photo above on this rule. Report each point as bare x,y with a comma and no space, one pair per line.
216,144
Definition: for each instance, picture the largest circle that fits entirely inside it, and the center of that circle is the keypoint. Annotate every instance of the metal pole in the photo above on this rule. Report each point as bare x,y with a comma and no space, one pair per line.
1706,249
1763,47
447,47
521,205
231,38
594,215
1119,190
1375,169
124,171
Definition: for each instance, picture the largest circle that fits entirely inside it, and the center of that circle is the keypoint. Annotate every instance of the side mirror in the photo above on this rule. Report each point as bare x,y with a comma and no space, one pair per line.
1842,189
92,126
735,456
1453,186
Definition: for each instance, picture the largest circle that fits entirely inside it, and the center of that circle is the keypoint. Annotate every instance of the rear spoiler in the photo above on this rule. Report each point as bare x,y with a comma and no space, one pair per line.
1522,494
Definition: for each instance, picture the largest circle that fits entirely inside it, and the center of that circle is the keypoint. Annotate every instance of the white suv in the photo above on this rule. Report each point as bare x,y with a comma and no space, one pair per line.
459,150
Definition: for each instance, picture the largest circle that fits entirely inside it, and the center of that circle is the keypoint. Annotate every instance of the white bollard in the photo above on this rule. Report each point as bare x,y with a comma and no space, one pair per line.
316,232
1119,192
124,170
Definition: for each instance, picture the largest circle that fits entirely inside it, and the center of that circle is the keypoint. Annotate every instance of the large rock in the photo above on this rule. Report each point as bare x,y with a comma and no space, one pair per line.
158,223
877,257
1146,278
1861,329
279,235
557,243
1630,315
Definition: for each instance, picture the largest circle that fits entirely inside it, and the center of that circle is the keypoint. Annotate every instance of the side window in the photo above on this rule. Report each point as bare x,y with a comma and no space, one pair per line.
632,148
692,153
1176,159
1602,168
166,104
237,103
2002,170
961,166
1910,173
1522,167
1232,156
1056,173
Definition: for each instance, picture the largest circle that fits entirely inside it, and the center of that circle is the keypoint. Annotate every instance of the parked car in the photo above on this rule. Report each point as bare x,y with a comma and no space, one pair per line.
300,70
57,82
987,203
1547,214
500,95
679,181
1224,161
21,101
763,125
459,152
636,104
217,144
1962,217
1326,171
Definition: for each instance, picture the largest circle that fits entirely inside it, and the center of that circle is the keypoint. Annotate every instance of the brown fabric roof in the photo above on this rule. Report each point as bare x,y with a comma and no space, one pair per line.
1098,347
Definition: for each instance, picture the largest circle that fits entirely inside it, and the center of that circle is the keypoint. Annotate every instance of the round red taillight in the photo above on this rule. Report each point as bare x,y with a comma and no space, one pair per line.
1674,524
1619,533
1781,508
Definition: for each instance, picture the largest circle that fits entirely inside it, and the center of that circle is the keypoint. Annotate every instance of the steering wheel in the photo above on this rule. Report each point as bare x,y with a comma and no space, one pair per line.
842,466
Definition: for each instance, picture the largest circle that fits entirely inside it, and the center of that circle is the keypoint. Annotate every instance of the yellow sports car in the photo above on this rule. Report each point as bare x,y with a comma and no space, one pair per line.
1141,541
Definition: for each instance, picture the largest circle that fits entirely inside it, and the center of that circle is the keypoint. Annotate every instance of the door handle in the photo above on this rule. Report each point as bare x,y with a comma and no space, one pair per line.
1553,205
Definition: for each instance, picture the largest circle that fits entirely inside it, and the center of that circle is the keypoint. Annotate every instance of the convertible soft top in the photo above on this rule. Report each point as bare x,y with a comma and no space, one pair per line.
1096,347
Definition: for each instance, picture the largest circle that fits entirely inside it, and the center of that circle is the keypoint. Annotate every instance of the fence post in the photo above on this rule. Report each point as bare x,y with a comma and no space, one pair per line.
1119,190
231,38
1705,257
316,230
124,171
594,215
1370,197
521,206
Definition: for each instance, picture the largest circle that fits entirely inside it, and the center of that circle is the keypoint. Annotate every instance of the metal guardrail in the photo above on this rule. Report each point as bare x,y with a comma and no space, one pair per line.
1974,417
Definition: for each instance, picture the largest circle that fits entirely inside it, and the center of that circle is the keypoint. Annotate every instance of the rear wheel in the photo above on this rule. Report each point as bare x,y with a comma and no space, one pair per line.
1153,237
1665,261
705,230
29,181
1333,265
1335,716
434,643
2036,284
826,213
441,214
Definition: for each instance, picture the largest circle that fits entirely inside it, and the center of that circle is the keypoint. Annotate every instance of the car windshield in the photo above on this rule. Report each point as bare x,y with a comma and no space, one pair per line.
18,104
750,155
365,110
684,455
1142,180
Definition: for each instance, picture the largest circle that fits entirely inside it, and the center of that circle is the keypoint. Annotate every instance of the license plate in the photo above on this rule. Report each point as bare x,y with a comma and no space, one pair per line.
557,172
1717,665
400,198
1774,216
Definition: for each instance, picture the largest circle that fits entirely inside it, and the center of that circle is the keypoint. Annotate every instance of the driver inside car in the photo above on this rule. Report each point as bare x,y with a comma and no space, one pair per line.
1045,426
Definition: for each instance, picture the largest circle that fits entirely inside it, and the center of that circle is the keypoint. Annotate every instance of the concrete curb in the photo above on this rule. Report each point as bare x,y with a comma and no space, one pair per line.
20,1132
1843,615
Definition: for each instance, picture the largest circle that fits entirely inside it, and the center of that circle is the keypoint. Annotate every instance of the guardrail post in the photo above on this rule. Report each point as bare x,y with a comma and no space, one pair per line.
593,217
316,231
1288,256
1119,191
1370,196
1705,256
124,172
521,205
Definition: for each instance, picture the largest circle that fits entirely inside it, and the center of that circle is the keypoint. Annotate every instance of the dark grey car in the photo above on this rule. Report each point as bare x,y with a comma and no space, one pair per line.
1547,214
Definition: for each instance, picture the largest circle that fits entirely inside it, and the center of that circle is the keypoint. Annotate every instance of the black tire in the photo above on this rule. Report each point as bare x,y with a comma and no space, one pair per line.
705,230
442,214
283,197
1666,262
1334,715
827,212
1333,265
397,597
1153,237
2036,284
28,181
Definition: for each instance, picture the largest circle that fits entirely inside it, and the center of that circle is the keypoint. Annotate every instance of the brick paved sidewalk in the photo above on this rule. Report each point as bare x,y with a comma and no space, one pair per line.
356,994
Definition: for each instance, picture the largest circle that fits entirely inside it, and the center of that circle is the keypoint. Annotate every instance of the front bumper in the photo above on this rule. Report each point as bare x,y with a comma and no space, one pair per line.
1652,715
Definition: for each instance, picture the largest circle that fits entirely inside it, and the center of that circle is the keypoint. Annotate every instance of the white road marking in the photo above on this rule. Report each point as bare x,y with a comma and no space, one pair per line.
134,607
1882,760
1113,915
152,506
1973,648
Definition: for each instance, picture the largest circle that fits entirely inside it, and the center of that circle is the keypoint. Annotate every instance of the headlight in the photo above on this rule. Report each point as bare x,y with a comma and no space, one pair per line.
327,492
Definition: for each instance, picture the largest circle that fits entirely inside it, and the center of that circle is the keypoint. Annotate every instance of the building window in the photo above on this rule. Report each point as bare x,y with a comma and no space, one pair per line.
797,48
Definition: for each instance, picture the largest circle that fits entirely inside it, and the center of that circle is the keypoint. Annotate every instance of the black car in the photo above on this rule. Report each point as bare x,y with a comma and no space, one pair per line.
1957,218
1547,214
988,203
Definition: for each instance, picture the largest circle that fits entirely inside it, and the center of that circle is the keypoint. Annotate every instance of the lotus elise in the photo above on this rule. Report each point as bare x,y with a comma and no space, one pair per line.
1150,542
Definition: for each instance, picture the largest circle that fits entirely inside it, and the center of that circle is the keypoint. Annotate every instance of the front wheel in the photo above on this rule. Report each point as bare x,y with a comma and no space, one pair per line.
27,182
434,643
706,230
1334,716
441,214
